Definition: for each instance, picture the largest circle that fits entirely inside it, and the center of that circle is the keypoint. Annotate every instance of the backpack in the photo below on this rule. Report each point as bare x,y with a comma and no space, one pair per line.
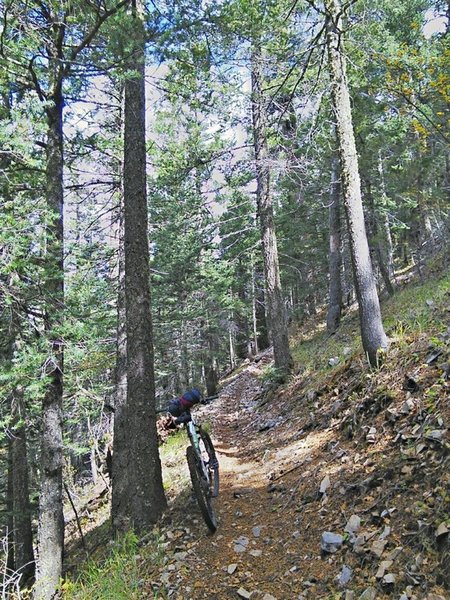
184,403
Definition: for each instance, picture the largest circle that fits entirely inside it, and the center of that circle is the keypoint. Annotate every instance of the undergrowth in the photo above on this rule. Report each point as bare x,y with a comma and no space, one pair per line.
410,312
121,576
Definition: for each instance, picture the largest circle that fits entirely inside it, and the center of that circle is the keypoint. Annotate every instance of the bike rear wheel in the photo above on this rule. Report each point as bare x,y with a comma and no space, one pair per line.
201,488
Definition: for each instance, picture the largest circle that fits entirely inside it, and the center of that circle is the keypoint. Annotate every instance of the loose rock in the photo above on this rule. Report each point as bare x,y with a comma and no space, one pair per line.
325,484
353,524
384,566
378,547
243,593
240,545
369,594
331,542
345,575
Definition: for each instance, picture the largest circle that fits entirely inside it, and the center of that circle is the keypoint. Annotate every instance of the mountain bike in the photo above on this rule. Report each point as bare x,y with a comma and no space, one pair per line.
201,459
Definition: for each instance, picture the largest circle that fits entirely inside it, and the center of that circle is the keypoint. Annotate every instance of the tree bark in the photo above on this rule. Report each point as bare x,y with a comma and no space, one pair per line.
137,490
335,256
255,344
22,532
372,332
10,559
241,320
275,307
51,520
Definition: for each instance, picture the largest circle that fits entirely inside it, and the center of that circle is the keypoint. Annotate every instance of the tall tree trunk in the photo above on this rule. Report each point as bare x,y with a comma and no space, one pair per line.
23,537
10,560
242,341
51,520
255,345
372,332
137,490
275,306
335,256
260,310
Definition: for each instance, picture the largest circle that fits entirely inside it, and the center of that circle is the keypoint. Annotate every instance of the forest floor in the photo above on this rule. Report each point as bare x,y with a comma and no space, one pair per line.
333,486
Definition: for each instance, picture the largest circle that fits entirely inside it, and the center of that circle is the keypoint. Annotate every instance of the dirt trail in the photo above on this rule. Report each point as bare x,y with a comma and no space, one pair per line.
258,547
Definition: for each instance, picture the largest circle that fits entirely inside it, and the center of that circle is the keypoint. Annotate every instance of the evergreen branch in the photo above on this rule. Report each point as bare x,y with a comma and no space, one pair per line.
90,36
420,111
79,186
308,52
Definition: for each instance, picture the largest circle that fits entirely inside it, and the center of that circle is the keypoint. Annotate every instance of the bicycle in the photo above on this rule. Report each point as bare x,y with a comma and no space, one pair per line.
200,455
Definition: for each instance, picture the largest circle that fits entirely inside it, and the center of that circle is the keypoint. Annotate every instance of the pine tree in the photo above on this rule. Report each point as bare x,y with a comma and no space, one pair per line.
137,490
373,336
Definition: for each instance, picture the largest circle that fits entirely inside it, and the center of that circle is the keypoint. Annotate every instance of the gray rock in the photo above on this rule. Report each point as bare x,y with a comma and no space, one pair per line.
443,529
231,568
325,484
181,556
392,555
240,545
436,435
256,553
378,547
345,575
256,531
407,406
268,597
270,424
243,593
353,524
369,594
383,567
331,542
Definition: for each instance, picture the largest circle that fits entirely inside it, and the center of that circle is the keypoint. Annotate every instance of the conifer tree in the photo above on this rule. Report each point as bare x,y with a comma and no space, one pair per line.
137,490
373,336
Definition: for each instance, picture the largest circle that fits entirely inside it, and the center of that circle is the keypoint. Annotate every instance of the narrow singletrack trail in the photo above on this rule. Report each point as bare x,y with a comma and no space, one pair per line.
257,549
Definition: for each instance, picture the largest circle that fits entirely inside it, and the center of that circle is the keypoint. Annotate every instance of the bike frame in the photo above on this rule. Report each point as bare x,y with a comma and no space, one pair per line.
192,431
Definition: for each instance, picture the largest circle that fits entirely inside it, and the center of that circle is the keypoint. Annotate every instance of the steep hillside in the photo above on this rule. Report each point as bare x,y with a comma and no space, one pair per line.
334,486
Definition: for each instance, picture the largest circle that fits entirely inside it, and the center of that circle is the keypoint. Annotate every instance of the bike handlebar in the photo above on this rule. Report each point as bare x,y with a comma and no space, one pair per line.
209,399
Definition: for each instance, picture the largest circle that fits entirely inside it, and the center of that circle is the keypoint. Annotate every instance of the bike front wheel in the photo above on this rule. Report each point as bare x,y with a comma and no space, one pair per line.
208,453
202,489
